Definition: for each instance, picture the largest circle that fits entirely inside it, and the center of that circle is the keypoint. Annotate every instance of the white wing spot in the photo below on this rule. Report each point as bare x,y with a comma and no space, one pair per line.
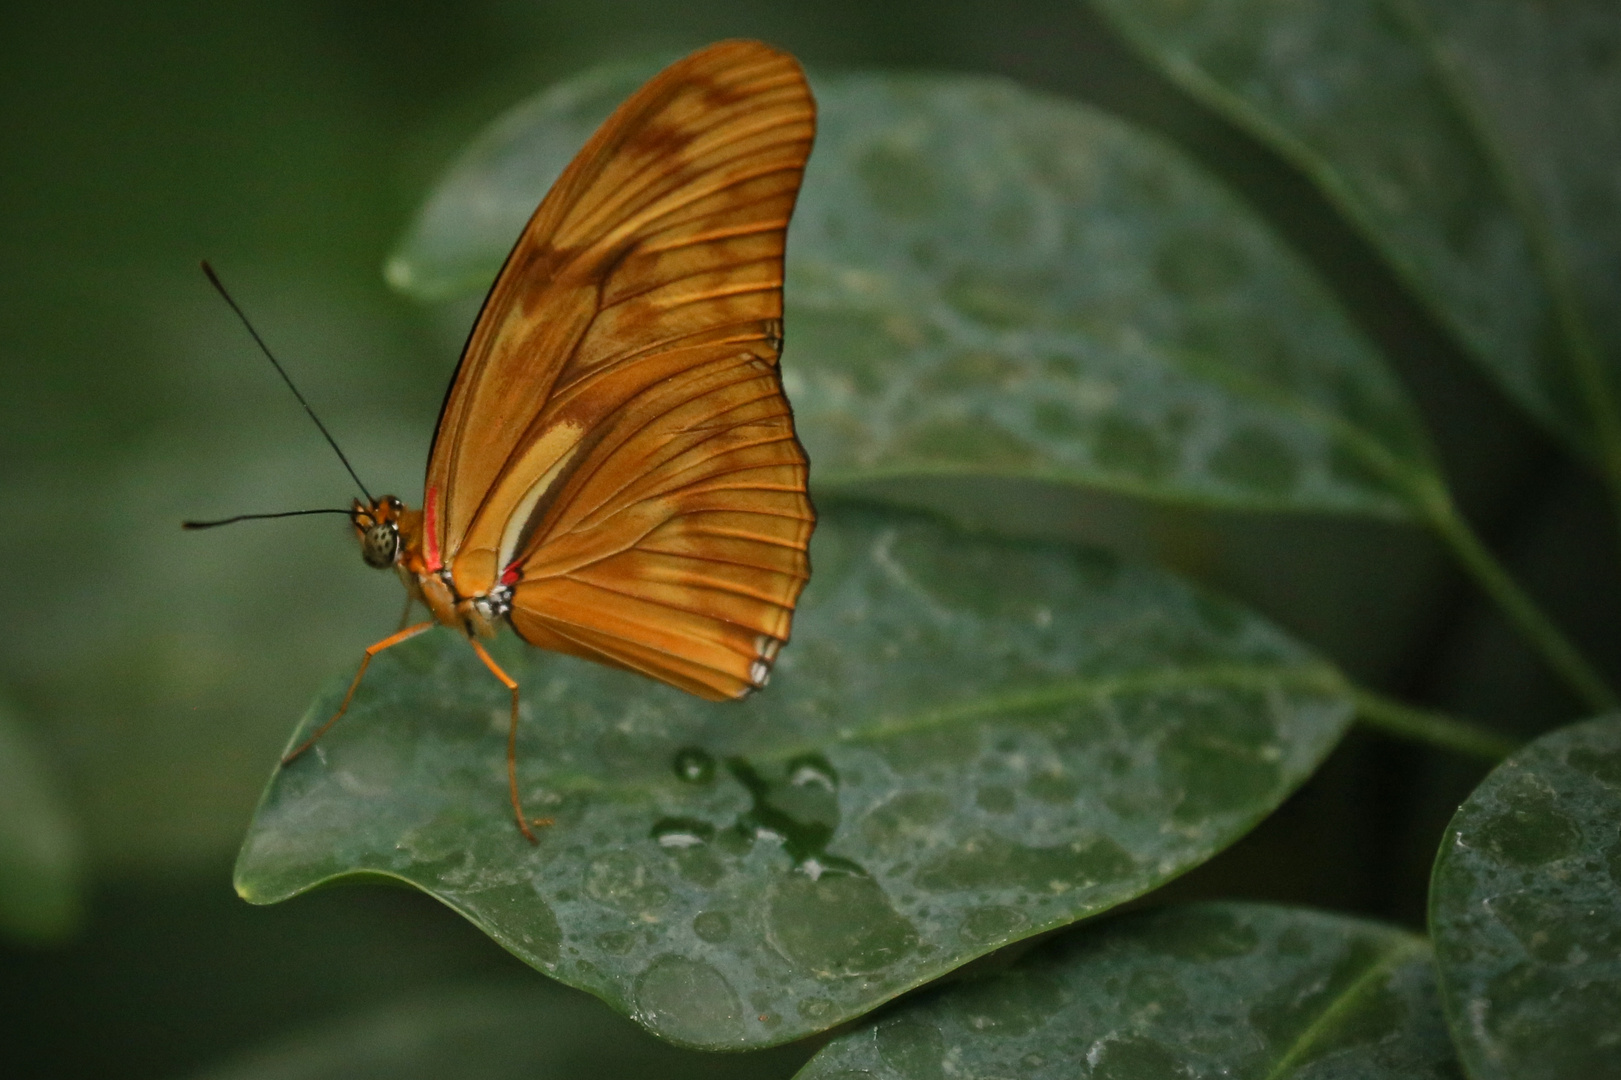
759,673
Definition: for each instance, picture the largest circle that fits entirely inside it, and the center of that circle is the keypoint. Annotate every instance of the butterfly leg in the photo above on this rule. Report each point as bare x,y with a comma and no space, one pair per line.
512,743
389,642
405,616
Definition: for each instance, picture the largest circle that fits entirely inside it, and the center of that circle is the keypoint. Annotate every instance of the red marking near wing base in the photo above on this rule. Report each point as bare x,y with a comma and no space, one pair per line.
509,576
430,530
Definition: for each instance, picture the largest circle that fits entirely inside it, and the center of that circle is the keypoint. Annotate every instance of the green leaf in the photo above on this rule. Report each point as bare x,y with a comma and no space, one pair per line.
486,1033
1472,141
966,743
1232,990
1525,909
41,886
476,210
987,280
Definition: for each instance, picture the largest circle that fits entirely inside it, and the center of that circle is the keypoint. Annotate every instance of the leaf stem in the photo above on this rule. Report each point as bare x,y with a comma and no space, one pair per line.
1596,391
1428,726
1581,350
1557,650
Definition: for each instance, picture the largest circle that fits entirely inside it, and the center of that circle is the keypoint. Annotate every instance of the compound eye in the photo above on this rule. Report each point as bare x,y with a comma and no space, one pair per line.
381,545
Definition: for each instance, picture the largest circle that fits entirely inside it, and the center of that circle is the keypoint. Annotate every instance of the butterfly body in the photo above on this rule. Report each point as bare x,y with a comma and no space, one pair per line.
391,537
615,472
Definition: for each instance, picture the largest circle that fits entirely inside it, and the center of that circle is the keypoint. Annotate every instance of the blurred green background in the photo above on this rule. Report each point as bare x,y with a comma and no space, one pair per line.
289,143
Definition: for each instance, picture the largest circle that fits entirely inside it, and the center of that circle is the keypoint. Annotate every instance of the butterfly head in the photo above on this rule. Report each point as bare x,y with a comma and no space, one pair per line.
378,526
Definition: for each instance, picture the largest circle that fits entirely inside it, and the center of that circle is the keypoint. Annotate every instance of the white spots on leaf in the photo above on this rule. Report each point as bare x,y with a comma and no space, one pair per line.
810,775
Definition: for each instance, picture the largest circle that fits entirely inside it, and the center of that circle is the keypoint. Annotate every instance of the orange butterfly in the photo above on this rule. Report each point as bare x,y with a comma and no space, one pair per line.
615,471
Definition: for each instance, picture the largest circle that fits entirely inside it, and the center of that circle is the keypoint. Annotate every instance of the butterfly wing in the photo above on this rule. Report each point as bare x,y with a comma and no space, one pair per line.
616,444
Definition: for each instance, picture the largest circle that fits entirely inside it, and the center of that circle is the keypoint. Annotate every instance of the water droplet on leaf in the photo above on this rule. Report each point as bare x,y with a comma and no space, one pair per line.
838,924
688,1001
682,832
694,766
712,926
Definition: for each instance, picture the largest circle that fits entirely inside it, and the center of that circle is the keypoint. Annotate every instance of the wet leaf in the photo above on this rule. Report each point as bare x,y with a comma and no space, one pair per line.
473,216
1204,990
966,743
987,280
1473,142
486,1033
1525,908
41,872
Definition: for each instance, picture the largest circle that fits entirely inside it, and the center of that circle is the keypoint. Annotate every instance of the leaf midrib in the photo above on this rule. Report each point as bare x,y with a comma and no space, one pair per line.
1309,676
1321,1026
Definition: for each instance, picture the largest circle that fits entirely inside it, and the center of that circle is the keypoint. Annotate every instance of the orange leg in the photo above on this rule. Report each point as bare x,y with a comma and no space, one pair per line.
512,743
405,616
389,642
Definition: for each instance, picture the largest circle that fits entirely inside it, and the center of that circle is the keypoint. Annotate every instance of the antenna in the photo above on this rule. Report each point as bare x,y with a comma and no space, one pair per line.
214,279
254,517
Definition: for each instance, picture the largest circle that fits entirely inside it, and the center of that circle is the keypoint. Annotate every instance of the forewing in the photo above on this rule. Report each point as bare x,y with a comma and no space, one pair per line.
616,442
665,232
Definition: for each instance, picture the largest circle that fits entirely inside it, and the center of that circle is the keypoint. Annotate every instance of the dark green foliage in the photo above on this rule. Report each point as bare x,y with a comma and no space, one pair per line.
986,280
1246,319
1526,911
969,742
41,871
1190,991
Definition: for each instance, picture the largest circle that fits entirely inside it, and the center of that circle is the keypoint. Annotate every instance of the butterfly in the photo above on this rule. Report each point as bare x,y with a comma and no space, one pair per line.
615,472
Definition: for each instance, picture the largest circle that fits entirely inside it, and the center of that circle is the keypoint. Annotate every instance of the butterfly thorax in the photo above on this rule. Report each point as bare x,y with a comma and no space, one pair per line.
392,536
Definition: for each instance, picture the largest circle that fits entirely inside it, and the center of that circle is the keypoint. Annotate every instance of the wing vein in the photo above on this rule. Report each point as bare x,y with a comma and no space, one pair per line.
584,476
643,598
735,232
794,574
